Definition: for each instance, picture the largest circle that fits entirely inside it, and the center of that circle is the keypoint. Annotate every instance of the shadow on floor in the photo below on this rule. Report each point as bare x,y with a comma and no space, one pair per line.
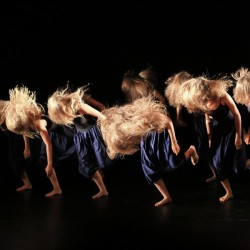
127,218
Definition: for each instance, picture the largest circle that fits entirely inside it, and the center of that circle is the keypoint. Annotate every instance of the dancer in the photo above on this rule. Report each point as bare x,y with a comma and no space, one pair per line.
145,125
189,126
223,125
18,151
26,117
135,87
68,108
241,95
62,137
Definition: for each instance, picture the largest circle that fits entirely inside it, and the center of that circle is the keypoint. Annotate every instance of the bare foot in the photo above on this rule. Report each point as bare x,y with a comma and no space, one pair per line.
194,155
100,194
24,187
54,192
226,197
213,178
163,201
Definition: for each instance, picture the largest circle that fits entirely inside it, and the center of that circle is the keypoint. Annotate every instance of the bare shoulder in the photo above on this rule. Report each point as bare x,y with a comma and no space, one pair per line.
40,124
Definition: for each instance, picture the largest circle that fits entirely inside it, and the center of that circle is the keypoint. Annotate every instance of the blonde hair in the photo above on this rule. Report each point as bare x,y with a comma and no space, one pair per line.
172,90
125,126
63,105
133,86
22,111
241,91
149,75
195,92
3,106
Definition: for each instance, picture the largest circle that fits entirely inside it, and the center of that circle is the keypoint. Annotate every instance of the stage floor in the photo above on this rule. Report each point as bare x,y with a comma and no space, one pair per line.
127,218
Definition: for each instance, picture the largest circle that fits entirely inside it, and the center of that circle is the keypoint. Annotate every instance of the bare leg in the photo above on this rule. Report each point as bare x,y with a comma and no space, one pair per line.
229,193
56,186
192,154
160,185
213,172
26,183
97,178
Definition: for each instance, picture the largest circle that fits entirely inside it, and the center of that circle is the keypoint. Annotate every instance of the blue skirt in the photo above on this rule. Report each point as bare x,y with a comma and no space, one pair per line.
223,154
91,151
63,148
157,156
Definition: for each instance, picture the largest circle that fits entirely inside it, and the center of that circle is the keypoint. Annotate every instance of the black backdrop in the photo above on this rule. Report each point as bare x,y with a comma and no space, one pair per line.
45,43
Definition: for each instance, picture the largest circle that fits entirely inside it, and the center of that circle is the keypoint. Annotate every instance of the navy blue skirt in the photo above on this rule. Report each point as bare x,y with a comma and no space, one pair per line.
157,156
91,151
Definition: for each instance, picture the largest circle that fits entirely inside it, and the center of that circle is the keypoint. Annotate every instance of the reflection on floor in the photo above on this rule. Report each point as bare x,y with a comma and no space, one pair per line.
127,218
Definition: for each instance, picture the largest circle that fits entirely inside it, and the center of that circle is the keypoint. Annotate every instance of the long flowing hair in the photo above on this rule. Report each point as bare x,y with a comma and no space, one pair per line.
241,91
172,90
22,111
195,92
63,105
125,126
3,106
133,86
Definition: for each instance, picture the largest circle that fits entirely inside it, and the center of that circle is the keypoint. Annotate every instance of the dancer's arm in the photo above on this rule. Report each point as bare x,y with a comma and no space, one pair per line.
41,125
87,109
228,100
171,131
208,127
26,151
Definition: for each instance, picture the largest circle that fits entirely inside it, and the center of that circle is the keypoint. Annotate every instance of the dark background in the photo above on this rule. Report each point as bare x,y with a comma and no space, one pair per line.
44,43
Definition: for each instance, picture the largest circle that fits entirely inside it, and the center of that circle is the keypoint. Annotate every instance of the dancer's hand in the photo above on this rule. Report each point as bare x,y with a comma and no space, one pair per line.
175,147
49,170
238,143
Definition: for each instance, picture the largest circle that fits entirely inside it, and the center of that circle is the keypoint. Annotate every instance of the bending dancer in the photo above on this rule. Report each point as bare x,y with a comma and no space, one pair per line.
68,108
223,125
138,86
241,95
24,116
189,126
145,125
18,151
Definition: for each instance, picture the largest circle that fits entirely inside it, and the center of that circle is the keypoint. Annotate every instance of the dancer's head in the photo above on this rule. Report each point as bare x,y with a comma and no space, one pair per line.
241,91
63,105
203,94
133,86
172,90
22,112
